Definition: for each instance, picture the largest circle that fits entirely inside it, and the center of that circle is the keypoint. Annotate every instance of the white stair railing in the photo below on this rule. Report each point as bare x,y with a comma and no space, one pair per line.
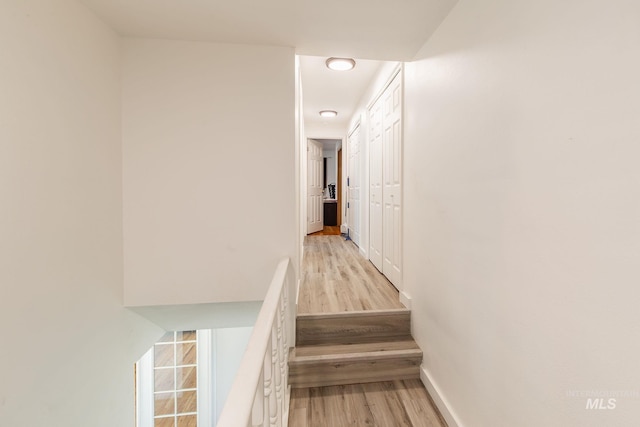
259,395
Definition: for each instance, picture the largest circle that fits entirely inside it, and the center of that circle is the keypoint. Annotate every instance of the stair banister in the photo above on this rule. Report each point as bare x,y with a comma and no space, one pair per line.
259,394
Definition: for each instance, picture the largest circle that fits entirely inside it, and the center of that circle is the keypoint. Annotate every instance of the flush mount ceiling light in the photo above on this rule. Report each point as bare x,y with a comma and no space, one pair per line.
328,113
340,64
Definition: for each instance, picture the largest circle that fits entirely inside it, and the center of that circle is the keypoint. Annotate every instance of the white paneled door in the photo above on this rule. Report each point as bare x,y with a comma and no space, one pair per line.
392,181
353,182
375,184
315,183
385,182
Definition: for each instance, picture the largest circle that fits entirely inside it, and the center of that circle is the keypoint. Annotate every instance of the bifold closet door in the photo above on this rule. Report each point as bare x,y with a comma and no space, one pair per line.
392,182
385,182
375,184
353,202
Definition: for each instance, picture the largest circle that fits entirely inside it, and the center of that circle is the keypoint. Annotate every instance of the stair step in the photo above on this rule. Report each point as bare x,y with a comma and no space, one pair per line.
325,365
353,327
314,351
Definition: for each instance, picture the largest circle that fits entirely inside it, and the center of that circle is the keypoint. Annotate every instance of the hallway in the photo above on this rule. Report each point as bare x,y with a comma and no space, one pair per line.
337,279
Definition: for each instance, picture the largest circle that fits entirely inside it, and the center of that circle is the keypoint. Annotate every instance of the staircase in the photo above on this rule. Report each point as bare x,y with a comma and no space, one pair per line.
353,347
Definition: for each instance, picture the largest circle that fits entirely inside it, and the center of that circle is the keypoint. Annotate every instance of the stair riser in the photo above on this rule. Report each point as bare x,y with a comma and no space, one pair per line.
353,328
354,372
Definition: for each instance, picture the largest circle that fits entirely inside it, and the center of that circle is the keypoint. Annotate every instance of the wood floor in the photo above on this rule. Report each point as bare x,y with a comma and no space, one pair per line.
346,307
337,278
383,404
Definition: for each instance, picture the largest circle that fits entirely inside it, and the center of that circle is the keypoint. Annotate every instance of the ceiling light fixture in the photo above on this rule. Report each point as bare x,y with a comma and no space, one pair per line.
328,113
340,64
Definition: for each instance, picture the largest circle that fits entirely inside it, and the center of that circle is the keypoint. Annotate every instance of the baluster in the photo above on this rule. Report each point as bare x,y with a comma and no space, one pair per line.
284,347
282,372
273,401
289,314
283,309
284,341
257,412
278,377
268,385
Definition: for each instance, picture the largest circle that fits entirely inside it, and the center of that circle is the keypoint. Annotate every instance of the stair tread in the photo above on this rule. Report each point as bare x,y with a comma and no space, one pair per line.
340,351
336,364
410,354
352,314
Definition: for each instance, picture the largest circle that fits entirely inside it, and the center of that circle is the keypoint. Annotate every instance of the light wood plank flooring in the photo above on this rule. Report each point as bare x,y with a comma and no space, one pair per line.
337,278
383,404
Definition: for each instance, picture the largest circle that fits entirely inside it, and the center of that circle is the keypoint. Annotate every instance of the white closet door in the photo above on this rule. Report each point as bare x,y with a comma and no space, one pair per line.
354,179
315,184
392,181
375,184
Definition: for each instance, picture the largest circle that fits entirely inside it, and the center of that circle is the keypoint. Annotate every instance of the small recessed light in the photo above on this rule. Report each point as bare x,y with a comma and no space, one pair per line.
340,64
328,113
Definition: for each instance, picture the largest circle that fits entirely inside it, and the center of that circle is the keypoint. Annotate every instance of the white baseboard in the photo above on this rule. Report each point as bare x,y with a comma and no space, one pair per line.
443,406
405,299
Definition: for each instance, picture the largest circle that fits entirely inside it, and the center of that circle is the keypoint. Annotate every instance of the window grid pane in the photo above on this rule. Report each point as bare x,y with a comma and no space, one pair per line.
175,380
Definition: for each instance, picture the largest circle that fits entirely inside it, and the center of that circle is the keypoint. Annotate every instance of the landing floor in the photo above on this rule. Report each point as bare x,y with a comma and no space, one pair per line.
384,404
336,278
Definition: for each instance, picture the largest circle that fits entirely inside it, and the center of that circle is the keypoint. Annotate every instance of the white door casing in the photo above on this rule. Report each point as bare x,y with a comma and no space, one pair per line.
392,181
315,178
375,184
353,179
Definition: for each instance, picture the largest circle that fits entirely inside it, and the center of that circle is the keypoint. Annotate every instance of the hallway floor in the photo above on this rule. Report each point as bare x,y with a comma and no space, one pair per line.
337,278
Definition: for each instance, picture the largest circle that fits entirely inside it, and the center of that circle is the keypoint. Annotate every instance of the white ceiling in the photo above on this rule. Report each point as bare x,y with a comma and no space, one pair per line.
371,29
325,89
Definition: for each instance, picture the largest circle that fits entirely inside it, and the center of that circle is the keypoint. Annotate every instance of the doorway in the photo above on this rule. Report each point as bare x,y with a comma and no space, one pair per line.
324,186
339,188
315,186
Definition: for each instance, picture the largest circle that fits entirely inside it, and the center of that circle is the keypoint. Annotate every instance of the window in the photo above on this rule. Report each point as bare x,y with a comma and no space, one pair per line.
171,385
175,386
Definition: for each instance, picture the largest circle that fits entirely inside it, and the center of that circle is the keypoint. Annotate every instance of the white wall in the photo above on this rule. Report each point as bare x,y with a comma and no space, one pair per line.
68,344
229,345
324,131
522,210
209,184
300,171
